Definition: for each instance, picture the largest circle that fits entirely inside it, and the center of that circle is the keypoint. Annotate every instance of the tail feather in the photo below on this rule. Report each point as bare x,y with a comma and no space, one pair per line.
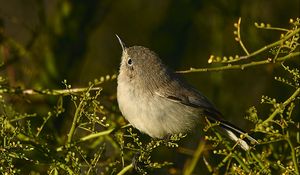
237,131
232,131
242,143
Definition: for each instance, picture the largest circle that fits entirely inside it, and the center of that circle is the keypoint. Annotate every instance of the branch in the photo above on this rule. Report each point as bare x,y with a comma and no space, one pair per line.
293,153
238,33
284,104
75,120
125,169
279,42
56,91
98,134
242,66
190,168
288,35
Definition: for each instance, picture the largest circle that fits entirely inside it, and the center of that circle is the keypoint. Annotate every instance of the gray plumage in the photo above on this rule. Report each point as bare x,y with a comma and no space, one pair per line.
158,102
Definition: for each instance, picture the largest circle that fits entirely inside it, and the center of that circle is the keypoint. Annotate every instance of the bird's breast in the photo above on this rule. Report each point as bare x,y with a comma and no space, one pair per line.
152,114
135,105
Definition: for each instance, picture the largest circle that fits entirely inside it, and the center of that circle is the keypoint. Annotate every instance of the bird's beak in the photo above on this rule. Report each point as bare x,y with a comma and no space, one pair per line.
121,43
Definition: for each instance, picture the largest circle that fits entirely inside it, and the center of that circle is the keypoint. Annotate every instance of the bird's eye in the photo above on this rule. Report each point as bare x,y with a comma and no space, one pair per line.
129,61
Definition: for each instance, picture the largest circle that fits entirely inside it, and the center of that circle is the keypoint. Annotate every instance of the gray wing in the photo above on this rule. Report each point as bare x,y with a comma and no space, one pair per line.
180,92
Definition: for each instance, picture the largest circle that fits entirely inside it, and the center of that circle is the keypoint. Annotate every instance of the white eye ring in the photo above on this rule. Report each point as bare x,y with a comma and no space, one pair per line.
129,62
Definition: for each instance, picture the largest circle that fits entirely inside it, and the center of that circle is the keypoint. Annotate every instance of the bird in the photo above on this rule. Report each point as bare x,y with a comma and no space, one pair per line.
157,101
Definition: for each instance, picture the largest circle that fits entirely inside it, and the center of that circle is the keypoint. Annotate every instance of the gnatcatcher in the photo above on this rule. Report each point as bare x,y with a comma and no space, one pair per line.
158,102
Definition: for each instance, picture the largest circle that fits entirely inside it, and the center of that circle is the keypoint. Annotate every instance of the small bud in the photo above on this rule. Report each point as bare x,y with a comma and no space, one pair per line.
101,79
210,60
270,59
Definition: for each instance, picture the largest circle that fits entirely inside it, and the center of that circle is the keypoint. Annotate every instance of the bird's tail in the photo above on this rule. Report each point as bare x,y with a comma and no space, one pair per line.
233,132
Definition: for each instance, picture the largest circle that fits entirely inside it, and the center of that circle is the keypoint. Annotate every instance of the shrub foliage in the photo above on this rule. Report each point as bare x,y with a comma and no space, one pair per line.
97,140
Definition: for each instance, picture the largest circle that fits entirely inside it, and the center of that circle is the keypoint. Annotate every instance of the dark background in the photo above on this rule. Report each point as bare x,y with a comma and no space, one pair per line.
75,40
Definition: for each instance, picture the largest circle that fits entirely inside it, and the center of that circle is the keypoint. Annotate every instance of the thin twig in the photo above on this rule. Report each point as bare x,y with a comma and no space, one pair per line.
189,170
294,156
232,155
125,169
268,27
279,42
239,39
75,120
290,33
65,167
57,91
98,134
262,166
284,104
241,66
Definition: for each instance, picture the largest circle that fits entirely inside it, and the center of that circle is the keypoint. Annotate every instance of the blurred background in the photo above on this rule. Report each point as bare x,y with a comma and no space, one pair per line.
75,40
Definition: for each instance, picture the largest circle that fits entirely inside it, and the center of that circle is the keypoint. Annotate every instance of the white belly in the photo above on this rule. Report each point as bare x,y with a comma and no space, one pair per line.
152,114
